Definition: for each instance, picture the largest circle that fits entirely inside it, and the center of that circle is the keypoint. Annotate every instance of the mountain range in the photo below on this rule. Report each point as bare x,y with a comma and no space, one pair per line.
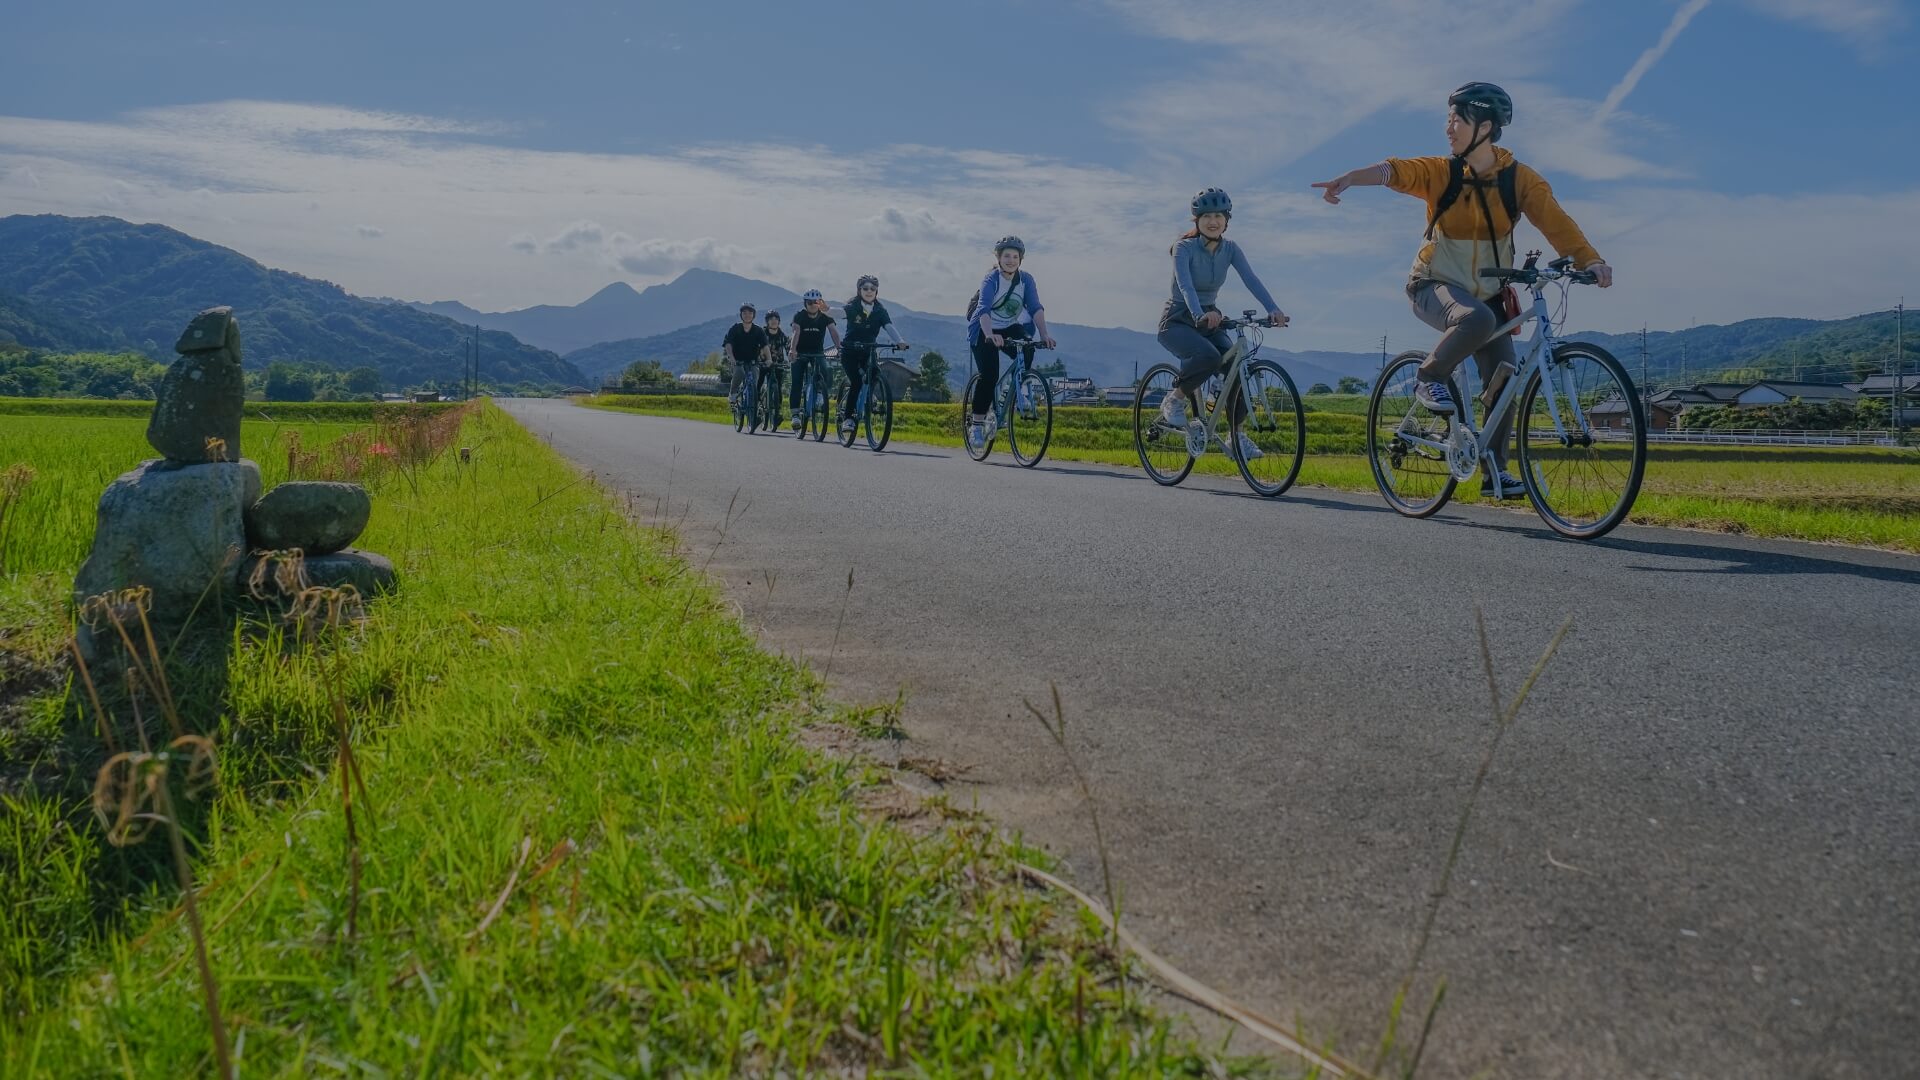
72,284
103,284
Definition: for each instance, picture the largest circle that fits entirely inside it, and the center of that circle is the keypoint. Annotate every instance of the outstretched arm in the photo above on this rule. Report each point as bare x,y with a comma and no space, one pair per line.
1254,286
1375,175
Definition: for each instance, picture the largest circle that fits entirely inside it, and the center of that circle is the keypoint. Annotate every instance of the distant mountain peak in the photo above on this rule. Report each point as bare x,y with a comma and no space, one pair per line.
618,291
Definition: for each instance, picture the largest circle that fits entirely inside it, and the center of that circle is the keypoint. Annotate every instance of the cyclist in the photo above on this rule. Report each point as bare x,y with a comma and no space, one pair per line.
745,345
866,317
1468,232
1190,323
775,368
1008,302
810,328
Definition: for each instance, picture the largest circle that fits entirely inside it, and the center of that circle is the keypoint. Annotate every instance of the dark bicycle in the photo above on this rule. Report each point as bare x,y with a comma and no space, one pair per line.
874,410
815,374
1022,406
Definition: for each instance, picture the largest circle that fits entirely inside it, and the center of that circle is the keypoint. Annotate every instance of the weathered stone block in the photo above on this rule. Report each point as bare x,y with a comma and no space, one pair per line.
175,528
316,516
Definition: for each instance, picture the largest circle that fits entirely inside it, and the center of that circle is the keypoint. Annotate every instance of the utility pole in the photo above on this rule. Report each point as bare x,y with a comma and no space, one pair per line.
1899,364
1383,352
473,384
1645,395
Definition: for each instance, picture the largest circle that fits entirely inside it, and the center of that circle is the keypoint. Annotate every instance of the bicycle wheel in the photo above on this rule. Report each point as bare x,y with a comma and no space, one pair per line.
848,432
879,413
977,453
738,403
1276,424
1162,447
1582,486
1412,476
770,404
1030,418
820,403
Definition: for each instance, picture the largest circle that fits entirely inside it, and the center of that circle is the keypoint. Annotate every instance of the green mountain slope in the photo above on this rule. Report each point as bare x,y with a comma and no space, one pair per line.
108,284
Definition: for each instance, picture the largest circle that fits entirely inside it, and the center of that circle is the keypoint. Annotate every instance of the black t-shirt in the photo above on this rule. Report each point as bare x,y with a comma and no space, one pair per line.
777,345
746,343
864,323
810,331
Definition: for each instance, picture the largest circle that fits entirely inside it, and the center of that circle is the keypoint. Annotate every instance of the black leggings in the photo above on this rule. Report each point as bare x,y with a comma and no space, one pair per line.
805,362
853,361
986,358
771,375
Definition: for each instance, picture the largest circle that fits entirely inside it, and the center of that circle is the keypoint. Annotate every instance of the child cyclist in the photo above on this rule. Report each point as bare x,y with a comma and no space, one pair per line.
810,330
1474,198
774,370
1190,323
1009,302
866,317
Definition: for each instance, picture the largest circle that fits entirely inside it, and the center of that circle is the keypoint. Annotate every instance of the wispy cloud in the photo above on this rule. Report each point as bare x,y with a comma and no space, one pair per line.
1649,58
1863,22
501,227
370,232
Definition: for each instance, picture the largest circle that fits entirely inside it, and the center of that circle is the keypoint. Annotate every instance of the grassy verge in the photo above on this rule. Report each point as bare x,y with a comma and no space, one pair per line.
324,412
588,844
1854,495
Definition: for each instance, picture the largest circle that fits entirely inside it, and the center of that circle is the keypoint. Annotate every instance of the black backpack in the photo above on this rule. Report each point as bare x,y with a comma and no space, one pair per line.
1506,179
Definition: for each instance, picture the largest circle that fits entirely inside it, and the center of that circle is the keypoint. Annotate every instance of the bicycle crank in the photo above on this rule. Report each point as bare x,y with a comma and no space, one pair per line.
1463,453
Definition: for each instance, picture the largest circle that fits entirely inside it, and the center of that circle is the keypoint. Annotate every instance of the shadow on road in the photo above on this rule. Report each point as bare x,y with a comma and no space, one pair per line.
1737,560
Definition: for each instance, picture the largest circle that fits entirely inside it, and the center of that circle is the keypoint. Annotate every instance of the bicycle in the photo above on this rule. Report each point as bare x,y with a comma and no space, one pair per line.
1022,407
817,394
874,410
1579,487
1273,418
741,399
767,412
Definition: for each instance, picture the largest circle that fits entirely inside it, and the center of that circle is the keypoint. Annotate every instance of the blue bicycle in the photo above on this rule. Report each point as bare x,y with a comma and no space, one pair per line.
1022,406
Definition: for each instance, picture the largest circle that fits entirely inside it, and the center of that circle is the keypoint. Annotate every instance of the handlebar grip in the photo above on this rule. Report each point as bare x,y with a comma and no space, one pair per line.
1494,272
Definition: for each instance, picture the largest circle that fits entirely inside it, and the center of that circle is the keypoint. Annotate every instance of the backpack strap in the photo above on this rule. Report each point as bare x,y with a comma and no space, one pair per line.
1507,179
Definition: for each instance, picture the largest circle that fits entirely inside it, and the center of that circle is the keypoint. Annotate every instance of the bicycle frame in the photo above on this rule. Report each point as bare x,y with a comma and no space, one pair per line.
1006,388
1540,350
1234,377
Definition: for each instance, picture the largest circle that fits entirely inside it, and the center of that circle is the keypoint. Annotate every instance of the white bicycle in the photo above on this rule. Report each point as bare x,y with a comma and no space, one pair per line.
1581,484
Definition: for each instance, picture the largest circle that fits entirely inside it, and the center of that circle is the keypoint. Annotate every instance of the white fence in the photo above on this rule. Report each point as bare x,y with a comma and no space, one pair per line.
1759,437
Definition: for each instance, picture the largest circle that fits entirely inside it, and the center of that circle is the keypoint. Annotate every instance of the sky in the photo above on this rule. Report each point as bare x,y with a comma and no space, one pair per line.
1730,158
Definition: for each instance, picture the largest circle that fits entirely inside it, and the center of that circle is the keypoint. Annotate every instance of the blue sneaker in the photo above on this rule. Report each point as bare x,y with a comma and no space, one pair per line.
1510,487
1434,397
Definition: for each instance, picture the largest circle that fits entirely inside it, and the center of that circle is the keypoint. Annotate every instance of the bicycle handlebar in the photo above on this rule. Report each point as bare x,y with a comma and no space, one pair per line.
1248,319
1537,276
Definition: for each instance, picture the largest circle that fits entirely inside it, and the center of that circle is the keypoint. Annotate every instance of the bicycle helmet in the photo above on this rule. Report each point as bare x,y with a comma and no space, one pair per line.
810,296
1212,201
1480,101
866,280
1013,242
749,307
771,315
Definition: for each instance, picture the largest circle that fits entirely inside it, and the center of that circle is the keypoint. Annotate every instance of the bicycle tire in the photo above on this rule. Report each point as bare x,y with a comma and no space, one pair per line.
878,412
770,404
1028,438
1412,480
848,432
1585,471
820,403
1153,439
966,411
738,405
1279,429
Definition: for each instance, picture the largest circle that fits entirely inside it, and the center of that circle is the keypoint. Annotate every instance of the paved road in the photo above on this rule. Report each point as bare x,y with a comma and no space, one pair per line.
1697,855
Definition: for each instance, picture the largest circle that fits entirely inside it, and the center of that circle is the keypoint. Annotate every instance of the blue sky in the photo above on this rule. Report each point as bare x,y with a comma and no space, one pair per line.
506,155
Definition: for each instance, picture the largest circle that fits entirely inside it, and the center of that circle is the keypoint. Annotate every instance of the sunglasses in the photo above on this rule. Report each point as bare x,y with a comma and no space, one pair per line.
869,288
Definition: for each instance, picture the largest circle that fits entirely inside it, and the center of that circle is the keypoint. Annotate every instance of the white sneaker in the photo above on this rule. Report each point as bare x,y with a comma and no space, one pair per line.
796,421
1173,409
1196,439
1248,451
848,424
976,431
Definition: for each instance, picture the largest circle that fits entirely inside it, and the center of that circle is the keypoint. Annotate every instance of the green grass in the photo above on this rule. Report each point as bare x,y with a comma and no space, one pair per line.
698,894
324,412
1854,495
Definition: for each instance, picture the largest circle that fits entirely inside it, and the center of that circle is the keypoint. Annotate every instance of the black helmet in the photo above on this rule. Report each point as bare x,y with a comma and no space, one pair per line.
866,280
749,307
1013,242
1478,101
772,315
1212,201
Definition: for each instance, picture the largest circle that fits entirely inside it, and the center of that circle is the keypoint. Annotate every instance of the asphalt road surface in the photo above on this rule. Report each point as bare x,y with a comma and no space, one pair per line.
1697,853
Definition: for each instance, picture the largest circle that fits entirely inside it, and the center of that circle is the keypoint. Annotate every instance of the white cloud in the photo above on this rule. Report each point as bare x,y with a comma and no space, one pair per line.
658,258
1863,22
480,216
371,232
1649,58
907,227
